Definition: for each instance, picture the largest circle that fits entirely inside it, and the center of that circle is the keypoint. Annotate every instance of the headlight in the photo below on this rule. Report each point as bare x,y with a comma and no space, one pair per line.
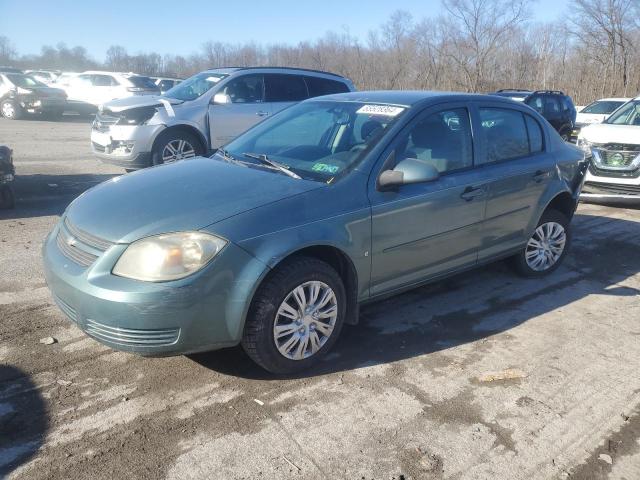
24,91
168,257
584,145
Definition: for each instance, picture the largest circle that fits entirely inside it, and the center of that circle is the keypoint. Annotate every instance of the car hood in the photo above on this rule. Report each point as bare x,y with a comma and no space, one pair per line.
137,101
47,92
184,196
587,118
608,133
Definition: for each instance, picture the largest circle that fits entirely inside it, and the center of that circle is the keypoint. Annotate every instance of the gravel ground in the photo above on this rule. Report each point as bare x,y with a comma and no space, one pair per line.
482,376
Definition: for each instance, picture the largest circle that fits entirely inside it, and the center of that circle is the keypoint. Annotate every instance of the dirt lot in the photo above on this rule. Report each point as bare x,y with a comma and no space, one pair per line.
409,393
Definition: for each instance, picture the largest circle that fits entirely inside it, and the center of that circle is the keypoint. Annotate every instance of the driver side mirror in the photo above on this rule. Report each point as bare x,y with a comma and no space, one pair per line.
221,99
407,171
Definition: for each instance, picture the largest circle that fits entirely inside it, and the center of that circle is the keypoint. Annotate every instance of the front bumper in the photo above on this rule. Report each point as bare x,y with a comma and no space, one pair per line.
125,146
598,187
202,312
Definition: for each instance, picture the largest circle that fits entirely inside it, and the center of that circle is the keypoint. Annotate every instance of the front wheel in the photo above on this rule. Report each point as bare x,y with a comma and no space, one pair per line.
547,246
11,110
295,317
173,146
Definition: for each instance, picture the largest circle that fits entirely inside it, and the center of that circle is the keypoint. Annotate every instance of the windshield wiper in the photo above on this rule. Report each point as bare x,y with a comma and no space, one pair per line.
228,157
264,159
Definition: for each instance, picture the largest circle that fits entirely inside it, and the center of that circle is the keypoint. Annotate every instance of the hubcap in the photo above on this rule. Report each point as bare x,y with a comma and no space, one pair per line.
305,320
545,246
177,150
8,110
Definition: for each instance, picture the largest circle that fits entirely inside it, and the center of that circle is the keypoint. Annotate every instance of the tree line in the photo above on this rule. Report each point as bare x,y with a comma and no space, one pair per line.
473,46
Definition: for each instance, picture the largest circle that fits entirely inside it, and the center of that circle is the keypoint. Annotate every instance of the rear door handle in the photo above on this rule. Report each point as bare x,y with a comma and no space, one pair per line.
540,176
472,192
262,113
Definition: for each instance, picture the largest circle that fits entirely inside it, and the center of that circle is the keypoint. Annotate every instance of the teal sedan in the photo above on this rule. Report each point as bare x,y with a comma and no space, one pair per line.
276,240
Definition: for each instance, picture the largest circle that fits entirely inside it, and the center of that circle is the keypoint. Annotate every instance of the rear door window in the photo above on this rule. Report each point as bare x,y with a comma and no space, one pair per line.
551,105
323,86
284,88
142,82
535,134
503,134
103,81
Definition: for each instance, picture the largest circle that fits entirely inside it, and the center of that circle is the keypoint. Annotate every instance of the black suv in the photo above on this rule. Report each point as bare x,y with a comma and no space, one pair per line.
553,105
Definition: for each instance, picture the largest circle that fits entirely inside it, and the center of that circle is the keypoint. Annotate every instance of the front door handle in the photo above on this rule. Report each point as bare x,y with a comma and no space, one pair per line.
262,113
472,192
539,176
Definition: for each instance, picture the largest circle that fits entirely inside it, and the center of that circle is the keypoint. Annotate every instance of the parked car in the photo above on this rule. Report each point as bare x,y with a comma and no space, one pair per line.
88,90
614,145
7,173
165,83
201,113
596,112
21,94
553,105
48,77
277,239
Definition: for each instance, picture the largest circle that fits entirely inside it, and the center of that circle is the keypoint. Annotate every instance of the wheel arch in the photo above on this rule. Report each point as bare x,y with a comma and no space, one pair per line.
563,202
182,127
341,262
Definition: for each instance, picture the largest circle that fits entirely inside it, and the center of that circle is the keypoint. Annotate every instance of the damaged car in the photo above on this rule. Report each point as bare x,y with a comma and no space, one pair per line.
201,113
21,95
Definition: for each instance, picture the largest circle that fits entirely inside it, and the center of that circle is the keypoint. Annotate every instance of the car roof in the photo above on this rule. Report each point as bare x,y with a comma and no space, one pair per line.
408,98
230,70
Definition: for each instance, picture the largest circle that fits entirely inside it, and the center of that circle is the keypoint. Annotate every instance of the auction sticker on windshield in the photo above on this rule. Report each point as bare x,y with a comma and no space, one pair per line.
387,110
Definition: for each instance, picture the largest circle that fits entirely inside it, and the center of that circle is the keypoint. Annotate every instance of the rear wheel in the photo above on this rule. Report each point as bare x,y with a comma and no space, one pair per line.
173,146
295,317
547,246
11,110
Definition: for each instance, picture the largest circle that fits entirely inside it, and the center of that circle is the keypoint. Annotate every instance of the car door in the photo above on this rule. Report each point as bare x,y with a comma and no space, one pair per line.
553,112
422,230
283,90
238,106
513,159
103,89
79,89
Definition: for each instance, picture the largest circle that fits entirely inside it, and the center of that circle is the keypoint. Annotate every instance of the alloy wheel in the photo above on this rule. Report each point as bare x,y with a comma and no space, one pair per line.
8,110
177,150
545,246
305,320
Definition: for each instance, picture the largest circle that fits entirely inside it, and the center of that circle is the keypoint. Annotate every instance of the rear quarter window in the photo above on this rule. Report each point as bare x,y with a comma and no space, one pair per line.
322,86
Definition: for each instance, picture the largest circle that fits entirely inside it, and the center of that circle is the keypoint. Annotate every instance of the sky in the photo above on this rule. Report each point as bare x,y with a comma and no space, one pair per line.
181,27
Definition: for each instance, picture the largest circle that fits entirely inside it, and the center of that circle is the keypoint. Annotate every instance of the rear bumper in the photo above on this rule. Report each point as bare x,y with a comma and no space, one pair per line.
202,312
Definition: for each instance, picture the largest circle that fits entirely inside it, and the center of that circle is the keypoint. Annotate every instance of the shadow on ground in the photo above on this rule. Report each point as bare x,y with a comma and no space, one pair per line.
41,195
23,419
471,306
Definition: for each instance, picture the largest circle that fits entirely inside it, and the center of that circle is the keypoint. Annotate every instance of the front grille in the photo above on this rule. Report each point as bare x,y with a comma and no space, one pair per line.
103,122
132,337
616,156
613,173
66,308
78,245
599,188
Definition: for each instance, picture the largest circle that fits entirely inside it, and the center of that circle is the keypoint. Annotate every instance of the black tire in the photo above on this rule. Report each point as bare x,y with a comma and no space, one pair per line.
17,112
7,199
258,337
519,261
170,136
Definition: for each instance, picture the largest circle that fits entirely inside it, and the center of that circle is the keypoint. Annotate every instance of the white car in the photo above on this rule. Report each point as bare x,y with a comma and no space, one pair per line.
88,90
614,145
599,110
48,77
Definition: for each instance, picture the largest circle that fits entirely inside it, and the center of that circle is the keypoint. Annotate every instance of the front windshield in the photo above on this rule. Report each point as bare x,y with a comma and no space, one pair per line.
24,81
628,114
602,107
195,86
317,140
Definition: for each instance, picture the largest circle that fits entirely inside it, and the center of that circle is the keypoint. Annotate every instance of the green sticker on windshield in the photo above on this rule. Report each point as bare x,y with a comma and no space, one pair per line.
324,168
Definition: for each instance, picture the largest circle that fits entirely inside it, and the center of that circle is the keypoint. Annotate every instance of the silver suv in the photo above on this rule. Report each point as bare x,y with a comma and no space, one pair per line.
201,113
